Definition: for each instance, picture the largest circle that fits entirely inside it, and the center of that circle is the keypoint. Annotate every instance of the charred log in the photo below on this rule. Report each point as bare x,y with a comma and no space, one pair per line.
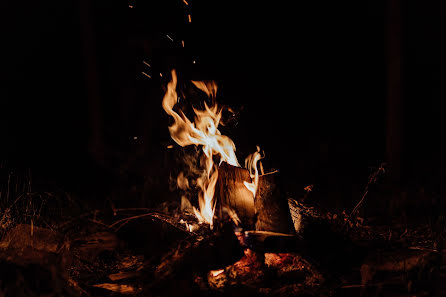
199,254
271,206
232,193
267,212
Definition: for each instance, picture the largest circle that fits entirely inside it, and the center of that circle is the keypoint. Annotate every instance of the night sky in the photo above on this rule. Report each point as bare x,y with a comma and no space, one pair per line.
309,79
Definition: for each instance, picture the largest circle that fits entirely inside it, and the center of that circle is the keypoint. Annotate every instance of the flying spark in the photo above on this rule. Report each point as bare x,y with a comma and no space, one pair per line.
146,74
169,37
146,63
185,2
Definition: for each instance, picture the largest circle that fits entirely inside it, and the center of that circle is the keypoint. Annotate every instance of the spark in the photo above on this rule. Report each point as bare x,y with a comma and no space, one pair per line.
169,37
182,43
131,6
146,63
193,62
146,74
170,146
190,18
135,137
161,75
185,2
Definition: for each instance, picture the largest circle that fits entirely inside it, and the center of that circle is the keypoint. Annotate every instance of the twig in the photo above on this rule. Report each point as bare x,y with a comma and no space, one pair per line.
154,215
129,219
373,178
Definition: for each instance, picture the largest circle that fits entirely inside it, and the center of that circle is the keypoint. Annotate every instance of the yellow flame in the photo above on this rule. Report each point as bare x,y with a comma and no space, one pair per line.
251,165
202,131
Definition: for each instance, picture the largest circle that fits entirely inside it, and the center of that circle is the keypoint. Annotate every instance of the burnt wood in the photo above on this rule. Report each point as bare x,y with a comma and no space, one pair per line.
271,206
199,254
267,212
231,192
273,242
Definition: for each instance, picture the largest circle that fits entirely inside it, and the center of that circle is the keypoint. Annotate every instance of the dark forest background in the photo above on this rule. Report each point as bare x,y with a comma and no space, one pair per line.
328,90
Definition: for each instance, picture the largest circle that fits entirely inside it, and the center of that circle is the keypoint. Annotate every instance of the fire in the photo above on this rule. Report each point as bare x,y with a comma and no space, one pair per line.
203,131
251,165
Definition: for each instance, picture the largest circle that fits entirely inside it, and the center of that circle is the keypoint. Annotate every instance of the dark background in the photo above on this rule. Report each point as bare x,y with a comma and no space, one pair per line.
327,90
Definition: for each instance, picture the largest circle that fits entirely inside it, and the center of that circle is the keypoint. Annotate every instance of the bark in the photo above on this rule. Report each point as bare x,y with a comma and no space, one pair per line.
271,206
232,193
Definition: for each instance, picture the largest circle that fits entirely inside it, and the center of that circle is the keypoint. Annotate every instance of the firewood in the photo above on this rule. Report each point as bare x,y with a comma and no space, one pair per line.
199,254
272,242
231,192
271,206
123,275
248,272
267,212
119,288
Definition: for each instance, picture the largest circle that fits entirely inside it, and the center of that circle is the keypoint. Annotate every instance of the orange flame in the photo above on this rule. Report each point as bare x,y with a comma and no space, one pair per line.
202,131
251,165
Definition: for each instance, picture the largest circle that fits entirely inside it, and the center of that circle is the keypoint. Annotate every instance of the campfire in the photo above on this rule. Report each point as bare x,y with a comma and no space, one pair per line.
243,222
225,188
215,148
231,231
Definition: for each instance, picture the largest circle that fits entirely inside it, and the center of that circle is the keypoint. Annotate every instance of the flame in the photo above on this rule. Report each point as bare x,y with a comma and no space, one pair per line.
251,165
203,131
217,272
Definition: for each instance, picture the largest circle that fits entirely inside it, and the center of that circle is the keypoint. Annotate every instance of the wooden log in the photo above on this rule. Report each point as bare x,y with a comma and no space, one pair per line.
246,275
267,212
272,242
231,192
271,206
199,254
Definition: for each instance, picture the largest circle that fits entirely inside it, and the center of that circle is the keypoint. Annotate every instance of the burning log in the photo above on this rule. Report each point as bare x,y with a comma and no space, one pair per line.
271,206
248,273
272,242
199,254
267,212
231,192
